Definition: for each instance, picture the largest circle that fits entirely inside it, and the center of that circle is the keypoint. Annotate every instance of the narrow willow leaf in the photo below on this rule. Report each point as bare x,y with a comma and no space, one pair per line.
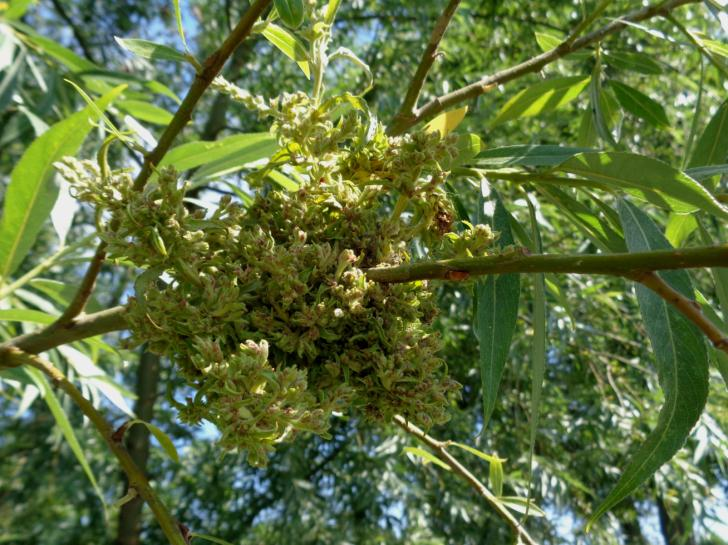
587,221
446,122
522,505
26,315
290,12
527,156
468,146
164,440
180,28
635,62
31,192
538,348
605,109
282,180
289,45
145,111
711,148
682,365
426,457
17,8
541,98
646,178
497,311
248,147
679,227
211,539
151,50
64,425
53,49
639,104
495,475
490,458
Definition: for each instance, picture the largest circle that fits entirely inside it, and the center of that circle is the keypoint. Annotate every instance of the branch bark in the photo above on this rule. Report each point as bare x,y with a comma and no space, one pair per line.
441,103
428,58
136,477
440,450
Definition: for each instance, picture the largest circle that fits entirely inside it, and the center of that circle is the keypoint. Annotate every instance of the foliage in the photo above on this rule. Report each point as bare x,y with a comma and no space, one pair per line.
614,145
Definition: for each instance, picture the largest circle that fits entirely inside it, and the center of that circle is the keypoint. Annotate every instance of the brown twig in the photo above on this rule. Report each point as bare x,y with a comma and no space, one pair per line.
441,103
78,303
136,477
440,450
428,58
688,308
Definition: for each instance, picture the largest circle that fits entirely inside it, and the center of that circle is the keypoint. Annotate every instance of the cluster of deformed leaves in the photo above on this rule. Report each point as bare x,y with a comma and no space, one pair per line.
267,310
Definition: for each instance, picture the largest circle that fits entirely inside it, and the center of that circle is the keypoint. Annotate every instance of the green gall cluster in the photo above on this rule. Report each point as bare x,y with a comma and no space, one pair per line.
267,310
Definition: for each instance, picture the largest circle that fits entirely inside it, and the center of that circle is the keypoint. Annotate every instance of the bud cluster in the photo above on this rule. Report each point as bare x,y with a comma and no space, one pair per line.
267,310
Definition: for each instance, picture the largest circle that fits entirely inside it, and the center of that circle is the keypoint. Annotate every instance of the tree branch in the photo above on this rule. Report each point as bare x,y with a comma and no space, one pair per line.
440,449
628,265
428,58
54,335
441,103
137,479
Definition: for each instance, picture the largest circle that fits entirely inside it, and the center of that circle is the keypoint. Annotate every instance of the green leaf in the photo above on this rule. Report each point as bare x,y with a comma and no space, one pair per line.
282,180
17,8
289,45
679,227
180,28
247,147
635,62
527,155
682,364
210,538
587,221
538,348
31,192
639,104
290,12
150,50
164,440
490,458
26,315
522,505
703,173
495,476
496,313
145,111
426,457
712,146
64,425
62,54
541,98
646,178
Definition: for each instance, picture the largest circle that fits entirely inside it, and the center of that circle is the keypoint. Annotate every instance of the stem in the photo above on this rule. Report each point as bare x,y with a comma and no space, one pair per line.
441,452
535,64
56,334
137,479
76,306
41,267
628,265
428,58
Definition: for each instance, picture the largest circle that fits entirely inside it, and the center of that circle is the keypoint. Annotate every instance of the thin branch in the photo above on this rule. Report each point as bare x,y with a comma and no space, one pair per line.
428,58
440,450
78,303
137,479
687,307
628,265
54,335
638,266
441,103
588,20
203,79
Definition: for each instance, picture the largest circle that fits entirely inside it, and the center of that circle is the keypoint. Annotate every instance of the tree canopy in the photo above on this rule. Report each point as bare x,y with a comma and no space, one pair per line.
299,271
